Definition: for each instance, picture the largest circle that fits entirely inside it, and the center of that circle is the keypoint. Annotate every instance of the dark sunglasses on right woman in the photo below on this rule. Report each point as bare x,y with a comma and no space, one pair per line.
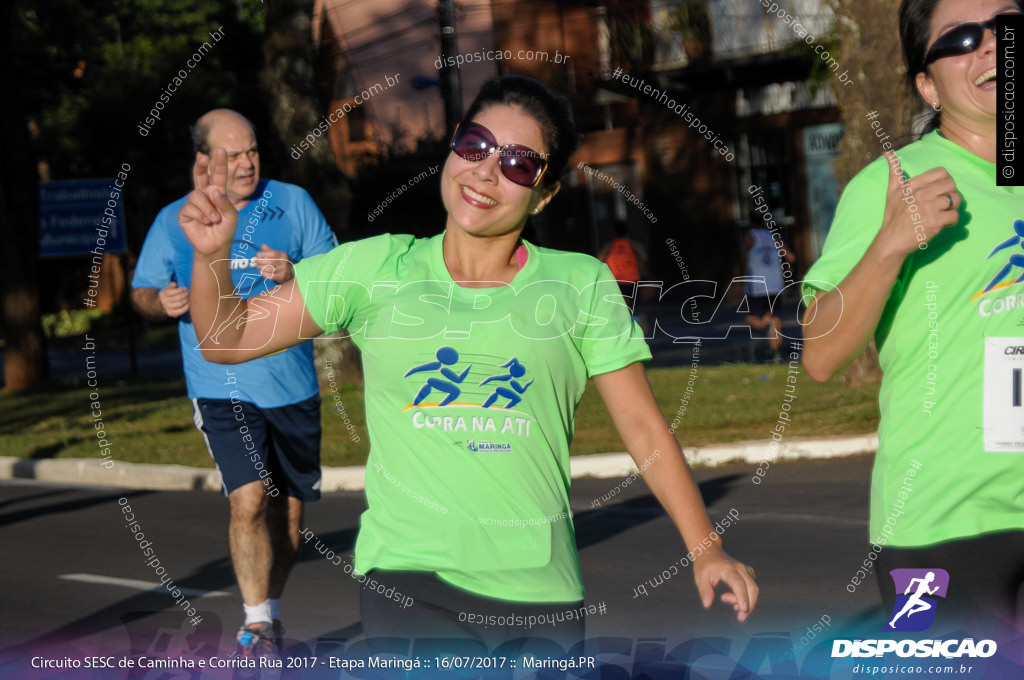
962,39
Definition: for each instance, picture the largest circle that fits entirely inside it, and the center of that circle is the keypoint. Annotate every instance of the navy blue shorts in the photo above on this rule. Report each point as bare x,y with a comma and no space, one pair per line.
279,447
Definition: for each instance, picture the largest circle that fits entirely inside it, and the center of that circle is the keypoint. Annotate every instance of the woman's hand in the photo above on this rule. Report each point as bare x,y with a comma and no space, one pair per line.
838,324
643,429
208,218
918,209
715,567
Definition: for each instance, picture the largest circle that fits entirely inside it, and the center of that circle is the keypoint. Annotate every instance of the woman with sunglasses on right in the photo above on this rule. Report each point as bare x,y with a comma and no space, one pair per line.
925,254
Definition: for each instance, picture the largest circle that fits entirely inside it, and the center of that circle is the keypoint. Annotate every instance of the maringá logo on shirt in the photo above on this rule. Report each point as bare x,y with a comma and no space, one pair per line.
488,447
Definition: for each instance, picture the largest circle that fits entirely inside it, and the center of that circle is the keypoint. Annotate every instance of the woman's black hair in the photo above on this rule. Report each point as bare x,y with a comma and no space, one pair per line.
915,32
551,111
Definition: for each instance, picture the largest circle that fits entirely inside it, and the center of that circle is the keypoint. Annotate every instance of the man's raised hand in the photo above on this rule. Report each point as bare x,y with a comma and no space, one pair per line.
208,218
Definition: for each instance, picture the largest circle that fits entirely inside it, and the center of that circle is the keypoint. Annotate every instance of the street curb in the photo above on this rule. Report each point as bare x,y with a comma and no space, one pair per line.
91,472
713,455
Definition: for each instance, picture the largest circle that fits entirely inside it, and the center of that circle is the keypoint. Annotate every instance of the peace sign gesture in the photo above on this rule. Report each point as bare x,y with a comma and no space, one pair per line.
208,218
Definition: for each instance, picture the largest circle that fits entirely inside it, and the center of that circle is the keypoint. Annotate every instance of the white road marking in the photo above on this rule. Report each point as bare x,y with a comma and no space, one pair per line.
811,519
136,584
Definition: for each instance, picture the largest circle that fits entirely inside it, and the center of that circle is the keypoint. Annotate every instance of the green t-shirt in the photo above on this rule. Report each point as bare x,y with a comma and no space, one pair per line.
470,402
951,345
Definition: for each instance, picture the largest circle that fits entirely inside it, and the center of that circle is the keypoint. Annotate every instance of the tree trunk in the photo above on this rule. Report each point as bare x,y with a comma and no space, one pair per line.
868,33
289,77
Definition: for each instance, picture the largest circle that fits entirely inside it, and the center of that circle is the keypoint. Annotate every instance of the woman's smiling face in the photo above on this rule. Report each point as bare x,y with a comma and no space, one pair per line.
478,198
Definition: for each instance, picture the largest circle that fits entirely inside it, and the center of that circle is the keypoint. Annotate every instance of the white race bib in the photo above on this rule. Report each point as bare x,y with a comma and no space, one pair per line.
1004,395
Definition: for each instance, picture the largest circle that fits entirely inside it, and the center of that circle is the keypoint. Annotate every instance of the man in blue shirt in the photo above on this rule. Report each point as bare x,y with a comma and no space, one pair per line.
260,419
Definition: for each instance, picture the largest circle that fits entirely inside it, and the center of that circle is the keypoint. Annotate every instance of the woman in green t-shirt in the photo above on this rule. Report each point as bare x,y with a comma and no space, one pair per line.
924,254
438,410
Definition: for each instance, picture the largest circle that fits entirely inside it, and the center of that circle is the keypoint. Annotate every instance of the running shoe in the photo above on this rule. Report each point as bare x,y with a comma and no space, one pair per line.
258,643
277,636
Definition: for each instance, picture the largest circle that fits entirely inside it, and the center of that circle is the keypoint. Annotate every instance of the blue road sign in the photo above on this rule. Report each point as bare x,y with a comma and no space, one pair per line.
79,217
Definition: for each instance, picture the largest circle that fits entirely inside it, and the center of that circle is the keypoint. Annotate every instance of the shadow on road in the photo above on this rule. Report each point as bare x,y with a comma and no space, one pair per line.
605,522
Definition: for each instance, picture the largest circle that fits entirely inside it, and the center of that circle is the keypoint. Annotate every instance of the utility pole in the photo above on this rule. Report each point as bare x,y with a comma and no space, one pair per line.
451,90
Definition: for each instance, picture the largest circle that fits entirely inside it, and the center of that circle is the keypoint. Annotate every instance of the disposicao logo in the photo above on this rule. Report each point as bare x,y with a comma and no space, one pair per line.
914,611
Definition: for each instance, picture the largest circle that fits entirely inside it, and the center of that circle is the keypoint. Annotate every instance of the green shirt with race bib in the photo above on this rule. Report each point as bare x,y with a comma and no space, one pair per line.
951,345
470,402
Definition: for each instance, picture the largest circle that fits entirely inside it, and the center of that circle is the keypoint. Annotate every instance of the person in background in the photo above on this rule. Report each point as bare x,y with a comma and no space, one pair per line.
763,254
626,258
261,419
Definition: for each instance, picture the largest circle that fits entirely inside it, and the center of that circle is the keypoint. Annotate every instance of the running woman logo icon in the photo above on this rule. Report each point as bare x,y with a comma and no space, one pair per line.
914,610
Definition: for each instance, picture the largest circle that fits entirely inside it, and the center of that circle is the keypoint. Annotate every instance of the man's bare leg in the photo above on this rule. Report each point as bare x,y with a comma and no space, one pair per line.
284,523
249,541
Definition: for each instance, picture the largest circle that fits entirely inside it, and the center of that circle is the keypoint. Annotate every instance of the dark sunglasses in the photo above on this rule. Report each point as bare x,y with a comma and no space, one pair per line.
960,40
520,164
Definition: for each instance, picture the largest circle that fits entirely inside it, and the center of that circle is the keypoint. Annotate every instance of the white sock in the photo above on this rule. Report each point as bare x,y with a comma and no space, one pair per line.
258,614
275,609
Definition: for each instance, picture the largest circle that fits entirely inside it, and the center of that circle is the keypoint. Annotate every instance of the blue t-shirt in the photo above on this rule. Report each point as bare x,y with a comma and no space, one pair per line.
284,217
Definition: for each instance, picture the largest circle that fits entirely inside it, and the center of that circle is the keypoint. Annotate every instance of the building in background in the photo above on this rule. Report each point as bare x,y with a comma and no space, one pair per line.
682,106
364,43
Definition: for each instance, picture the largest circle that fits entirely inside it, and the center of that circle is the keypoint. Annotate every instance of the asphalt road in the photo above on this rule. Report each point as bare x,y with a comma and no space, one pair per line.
803,529
75,580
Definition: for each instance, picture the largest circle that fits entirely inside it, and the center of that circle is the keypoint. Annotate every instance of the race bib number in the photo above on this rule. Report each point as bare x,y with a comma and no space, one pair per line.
1004,395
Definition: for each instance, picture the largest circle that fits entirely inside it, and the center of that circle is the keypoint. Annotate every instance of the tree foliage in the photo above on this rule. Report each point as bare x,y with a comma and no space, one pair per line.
296,106
85,75
108,62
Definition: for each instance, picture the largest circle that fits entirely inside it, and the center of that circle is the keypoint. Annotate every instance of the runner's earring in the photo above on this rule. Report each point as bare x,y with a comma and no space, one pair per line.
936,107
535,211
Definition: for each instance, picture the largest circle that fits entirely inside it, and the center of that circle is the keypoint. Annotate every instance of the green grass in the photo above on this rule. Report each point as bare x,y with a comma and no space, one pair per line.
736,403
152,422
